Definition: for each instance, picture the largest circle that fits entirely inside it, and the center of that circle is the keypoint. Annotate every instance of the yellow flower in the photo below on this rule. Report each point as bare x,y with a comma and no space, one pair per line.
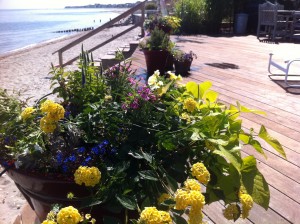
247,203
232,212
165,217
182,199
27,112
163,197
172,76
49,222
68,215
189,104
192,184
152,80
54,111
46,125
90,176
195,216
150,215
70,195
196,199
200,172
185,116
108,98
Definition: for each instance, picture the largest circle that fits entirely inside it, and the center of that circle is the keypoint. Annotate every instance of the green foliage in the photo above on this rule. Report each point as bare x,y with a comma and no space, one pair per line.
143,138
192,14
158,40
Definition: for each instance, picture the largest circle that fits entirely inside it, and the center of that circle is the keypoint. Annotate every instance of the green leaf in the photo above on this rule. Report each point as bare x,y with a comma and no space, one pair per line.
245,138
192,87
178,219
148,175
126,201
249,164
257,147
204,87
169,203
172,182
255,182
110,220
271,141
248,110
211,96
232,156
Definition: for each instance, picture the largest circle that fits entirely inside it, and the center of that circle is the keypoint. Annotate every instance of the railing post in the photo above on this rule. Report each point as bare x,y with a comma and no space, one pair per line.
60,59
143,20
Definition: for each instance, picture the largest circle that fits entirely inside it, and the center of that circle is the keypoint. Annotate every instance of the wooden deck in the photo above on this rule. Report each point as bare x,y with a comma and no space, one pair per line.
237,66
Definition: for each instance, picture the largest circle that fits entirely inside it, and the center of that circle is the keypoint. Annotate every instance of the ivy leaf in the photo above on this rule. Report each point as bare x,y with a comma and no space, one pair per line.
271,141
148,175
255,182
127,202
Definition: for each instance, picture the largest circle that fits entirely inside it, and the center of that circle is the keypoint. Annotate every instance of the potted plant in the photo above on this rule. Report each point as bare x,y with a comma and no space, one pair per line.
183,61
168,24
157,48
121,150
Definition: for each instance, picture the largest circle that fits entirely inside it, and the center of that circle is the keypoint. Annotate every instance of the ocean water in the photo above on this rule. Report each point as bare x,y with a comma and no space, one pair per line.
21,28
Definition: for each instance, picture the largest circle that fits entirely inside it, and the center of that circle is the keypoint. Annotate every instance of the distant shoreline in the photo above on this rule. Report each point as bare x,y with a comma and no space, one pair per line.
125,5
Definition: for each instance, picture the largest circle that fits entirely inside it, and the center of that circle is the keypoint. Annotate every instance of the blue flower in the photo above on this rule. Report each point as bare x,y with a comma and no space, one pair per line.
88,159
72,158
81,150
113,151
105,142
95,150
64,168
59,158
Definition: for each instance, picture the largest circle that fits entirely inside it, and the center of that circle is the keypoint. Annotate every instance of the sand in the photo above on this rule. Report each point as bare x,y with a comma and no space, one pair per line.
27,70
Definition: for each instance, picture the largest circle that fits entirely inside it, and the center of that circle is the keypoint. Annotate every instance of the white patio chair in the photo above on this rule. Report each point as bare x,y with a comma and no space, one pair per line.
283,69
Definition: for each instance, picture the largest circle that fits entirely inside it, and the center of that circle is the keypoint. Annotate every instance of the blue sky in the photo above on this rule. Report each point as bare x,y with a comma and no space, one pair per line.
33,4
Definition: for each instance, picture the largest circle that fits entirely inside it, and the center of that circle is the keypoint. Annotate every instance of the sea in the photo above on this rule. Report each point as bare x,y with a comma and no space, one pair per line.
26,27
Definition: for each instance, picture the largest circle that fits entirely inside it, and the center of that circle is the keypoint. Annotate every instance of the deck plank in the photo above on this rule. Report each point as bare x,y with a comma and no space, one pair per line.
250,84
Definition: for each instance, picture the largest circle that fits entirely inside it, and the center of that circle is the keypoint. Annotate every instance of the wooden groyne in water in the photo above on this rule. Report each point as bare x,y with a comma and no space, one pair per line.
75,30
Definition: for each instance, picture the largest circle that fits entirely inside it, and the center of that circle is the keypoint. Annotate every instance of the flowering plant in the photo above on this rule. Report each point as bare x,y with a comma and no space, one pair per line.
182,56
168,24
160,149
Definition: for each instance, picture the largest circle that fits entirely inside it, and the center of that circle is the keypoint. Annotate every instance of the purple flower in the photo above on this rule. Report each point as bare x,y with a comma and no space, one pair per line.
134,104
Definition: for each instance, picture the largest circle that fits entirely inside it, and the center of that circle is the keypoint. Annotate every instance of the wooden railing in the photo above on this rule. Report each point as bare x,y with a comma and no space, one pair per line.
140,6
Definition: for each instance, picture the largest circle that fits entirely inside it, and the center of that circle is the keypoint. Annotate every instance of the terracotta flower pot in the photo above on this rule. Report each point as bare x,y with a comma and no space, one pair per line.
158,60
42,192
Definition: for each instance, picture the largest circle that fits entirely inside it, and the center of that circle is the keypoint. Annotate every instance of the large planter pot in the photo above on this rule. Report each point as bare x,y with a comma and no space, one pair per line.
158,60
182,67
42,192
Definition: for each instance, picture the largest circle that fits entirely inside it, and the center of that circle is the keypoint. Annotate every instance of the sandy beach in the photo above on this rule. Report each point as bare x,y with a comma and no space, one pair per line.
27,70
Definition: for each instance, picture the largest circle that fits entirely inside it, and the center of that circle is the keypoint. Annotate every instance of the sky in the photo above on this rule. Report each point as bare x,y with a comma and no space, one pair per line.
42,4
